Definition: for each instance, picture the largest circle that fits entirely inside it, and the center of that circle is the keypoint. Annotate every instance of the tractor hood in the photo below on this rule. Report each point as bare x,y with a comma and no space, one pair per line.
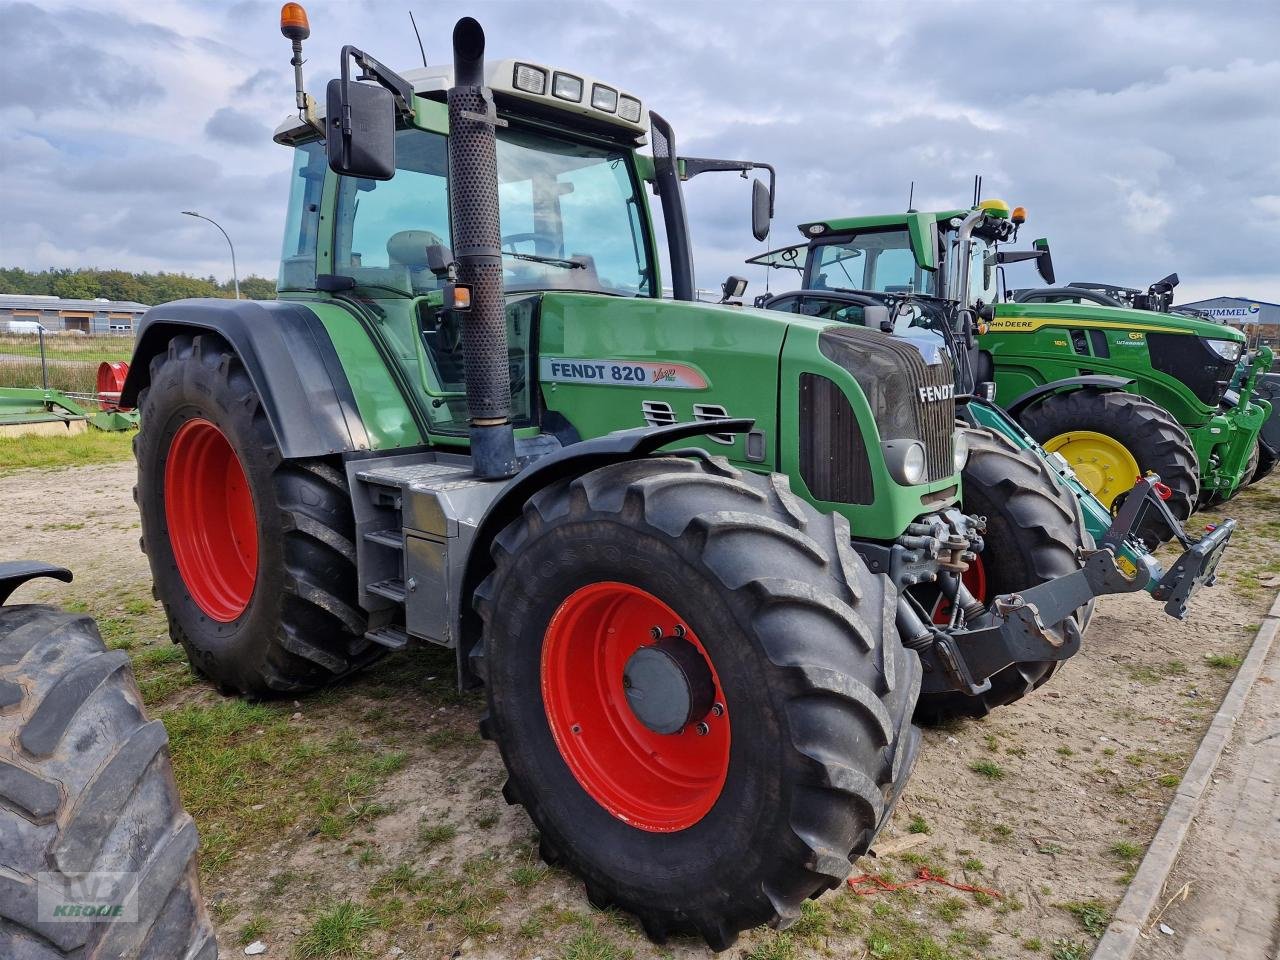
1015,317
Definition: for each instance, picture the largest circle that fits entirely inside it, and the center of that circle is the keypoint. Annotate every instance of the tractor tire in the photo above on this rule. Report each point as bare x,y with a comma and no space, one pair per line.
736,820
1035,532
252,555
86,788
1267,460
1149,433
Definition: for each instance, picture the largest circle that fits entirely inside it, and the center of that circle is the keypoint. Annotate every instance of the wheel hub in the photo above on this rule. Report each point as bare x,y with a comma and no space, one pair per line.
668,685
1103,463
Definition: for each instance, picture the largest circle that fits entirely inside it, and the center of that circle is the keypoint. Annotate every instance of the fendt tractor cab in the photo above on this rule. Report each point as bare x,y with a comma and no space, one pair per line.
676,543
929,277
1249,388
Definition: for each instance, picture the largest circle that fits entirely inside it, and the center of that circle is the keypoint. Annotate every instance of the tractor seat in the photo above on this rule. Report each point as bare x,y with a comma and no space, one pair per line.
408,250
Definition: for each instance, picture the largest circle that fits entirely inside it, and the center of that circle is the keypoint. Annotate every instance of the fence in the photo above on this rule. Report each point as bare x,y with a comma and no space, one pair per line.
64,362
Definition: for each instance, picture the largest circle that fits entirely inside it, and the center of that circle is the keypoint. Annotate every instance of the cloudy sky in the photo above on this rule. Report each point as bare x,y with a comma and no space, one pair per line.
1143,138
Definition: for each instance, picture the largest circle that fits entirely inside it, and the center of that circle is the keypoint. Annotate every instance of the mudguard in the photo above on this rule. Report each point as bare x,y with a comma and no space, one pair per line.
14,574
1096,382
571,461
288,356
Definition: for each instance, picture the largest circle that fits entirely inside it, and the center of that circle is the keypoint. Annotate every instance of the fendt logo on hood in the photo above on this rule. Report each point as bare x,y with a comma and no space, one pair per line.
934,394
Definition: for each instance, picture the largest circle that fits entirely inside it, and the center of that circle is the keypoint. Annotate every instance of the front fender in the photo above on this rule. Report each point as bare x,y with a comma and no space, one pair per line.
1093,382
565,463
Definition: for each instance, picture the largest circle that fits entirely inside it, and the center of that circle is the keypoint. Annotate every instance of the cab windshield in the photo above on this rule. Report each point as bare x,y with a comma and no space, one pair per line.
570,218
982,271
881,261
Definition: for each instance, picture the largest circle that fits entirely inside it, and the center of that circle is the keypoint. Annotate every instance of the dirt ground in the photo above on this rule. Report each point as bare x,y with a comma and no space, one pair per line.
367,820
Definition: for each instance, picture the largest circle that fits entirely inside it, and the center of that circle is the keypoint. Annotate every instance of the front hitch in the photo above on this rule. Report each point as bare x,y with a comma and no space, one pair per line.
1013,630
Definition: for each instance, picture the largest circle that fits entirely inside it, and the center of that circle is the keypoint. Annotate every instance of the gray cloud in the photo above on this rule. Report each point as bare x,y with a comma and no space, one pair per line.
1141,136
236,127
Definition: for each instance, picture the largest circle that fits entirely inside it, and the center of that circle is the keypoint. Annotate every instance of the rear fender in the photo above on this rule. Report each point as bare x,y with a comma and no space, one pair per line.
288,356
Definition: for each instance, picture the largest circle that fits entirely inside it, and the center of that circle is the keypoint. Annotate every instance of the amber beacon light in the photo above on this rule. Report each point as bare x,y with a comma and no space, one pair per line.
293,22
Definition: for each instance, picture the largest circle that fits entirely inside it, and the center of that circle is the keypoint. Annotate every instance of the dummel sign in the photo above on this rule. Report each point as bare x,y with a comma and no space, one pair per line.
1245,314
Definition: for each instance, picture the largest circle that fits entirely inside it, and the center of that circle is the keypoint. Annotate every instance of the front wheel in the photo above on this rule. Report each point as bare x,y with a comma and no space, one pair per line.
698,692
1112,439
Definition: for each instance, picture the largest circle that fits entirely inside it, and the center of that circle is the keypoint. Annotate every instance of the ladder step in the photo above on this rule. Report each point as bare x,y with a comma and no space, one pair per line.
391,637
391,589
388,538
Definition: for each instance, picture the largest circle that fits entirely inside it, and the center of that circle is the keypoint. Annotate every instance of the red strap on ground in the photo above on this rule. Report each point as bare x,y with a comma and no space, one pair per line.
865,885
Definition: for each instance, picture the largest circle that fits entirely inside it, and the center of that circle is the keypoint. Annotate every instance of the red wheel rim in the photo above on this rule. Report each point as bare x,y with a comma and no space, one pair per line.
975,580
652,781
212,525
111,377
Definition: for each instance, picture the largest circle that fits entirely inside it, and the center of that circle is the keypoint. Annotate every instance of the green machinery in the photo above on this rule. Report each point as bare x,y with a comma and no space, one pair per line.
1248,387
682,546
1117,392
865,271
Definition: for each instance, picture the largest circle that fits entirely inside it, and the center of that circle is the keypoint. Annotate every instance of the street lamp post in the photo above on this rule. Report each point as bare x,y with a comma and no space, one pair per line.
235,277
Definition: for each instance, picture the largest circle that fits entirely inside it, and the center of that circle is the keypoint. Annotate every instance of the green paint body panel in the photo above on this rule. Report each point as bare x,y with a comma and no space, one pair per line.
1041,352
749,359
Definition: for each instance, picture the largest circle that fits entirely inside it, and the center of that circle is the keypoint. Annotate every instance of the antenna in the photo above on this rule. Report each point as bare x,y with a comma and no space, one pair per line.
911,196
419,36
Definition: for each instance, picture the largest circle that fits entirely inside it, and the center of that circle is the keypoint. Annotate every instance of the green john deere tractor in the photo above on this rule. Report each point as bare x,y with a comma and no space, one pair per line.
1247,389
680,545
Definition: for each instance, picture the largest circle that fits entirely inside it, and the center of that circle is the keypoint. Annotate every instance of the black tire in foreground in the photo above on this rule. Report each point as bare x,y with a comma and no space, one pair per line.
252,555
1035,531
1267,460
1149,432
734,822
86,788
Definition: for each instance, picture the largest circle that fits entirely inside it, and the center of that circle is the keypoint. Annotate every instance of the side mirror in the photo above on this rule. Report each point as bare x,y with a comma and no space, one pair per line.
760,215
1044,262
877,318
733,287
361,129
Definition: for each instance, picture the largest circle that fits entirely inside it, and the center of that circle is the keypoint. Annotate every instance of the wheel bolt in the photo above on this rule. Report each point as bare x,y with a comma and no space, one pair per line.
655,632
576,728
678,630
701,728
717,710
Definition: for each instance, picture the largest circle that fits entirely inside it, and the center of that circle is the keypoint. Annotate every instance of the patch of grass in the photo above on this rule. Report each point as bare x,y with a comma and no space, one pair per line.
591,944
255,929
988,768
336,932
948,909
53,452
983,899
1032,944
973,865
432,833
1002,830
993,742
1092,914
1224,661
1169,780
160,655
1064,949
918,824
1065,751
1124,850
1156,673
528,874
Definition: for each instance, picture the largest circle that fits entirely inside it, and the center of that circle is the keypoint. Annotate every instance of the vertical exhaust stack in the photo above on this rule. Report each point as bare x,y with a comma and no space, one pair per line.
477,247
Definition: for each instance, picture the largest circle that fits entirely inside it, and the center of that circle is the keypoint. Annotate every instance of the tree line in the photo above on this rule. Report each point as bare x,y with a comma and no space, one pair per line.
148,288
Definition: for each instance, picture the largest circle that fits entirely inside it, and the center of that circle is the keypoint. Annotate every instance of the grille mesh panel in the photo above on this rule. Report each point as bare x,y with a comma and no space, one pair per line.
833,454
891,373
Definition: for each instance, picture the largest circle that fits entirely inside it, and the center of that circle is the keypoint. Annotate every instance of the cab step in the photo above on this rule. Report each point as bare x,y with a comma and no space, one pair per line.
391,589
391,637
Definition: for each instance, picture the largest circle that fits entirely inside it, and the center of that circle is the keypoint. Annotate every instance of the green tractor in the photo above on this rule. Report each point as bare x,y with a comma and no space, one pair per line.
866,271
680,545
1248,388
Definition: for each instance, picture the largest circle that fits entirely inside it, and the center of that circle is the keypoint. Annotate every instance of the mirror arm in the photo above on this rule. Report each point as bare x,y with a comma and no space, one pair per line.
690,167
371,69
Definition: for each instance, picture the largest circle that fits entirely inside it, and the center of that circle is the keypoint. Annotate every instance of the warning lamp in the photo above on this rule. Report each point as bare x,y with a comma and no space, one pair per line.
457,296
293,22
1019,215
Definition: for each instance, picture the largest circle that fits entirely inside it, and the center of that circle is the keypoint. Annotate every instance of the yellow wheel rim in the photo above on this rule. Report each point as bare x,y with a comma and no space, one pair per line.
1102,463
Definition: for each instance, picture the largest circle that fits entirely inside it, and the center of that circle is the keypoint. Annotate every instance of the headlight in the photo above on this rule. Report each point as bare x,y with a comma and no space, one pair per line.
1228,350
629,109
905,460
530,79
961,450
567,87
604,98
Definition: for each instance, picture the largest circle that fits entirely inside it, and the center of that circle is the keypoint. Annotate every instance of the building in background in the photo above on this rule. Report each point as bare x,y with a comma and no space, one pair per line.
1257,319
20,312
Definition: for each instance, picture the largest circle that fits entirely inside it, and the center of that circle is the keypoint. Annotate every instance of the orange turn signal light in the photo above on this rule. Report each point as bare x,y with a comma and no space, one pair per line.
1019,215
293,22
457,296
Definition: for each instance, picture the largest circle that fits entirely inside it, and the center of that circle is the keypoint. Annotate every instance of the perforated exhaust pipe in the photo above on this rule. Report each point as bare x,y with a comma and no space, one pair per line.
477,249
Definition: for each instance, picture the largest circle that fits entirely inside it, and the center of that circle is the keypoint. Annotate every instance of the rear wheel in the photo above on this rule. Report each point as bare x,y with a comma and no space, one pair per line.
1267,460
252,555
88,802
1111,439
721,717
1035,531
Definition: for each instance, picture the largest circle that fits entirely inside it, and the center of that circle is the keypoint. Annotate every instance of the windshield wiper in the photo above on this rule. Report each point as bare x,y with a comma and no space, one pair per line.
554,261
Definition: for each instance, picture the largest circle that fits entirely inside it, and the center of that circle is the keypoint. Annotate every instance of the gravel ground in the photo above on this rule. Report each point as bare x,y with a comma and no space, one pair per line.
367,818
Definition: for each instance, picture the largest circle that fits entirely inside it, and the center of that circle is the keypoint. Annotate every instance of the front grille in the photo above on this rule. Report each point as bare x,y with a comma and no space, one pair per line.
833,455
895,378
1187,358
